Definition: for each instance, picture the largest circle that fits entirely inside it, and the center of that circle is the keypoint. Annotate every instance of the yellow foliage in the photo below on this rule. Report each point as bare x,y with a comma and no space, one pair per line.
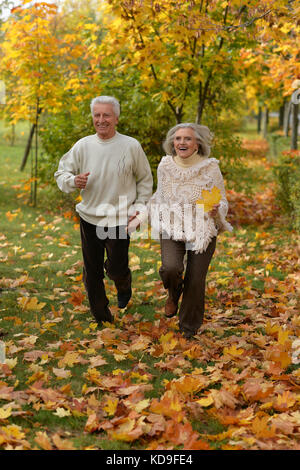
27,303
233,351
111,406
207,401
5,413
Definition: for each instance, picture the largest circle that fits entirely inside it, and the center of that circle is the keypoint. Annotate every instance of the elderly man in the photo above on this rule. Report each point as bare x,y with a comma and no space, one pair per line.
114,176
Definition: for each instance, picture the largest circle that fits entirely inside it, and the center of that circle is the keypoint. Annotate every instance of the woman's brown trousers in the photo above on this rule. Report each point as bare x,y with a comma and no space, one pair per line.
191,286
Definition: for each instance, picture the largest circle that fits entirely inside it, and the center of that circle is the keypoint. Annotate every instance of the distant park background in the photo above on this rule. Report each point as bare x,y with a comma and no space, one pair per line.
230,65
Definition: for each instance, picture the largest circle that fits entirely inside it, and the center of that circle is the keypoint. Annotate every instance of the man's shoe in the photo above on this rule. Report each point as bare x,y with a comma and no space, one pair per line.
170,308
188,335
123,298
107,317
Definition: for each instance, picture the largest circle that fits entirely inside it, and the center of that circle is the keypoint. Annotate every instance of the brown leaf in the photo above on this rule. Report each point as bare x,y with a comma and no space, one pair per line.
62,444
42,439
77,298
224,398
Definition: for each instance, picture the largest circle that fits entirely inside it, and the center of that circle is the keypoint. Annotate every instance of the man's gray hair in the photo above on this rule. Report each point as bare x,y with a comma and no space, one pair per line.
202,133
106,100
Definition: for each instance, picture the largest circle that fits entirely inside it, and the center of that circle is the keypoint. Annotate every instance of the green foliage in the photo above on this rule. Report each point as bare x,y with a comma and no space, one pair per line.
140,118
278,143
146,120
222,115
287,172
227,148
58,134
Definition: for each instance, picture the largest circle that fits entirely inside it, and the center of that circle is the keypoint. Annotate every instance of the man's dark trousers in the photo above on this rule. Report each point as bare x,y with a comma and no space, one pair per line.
95,241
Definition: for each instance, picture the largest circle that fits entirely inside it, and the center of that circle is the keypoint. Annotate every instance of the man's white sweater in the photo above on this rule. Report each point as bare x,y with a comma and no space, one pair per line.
120,178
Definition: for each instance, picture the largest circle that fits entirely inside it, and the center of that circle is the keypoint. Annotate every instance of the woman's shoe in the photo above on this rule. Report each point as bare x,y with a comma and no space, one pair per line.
188,334
170,308
123,298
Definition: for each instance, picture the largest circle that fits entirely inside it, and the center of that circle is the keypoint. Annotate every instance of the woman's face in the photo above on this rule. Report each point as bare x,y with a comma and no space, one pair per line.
185,142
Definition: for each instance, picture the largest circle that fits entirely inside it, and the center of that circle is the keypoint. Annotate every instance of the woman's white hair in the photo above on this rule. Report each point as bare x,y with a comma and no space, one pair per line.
106,100
202,133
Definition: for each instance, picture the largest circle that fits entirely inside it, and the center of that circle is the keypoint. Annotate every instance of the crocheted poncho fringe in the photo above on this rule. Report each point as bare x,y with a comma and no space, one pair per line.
173,210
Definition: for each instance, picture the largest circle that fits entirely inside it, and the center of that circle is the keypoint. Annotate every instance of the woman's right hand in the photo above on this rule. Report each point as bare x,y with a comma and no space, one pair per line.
214,211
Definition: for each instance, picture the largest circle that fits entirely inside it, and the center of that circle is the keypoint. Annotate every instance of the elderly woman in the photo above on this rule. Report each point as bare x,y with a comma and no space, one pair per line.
185,226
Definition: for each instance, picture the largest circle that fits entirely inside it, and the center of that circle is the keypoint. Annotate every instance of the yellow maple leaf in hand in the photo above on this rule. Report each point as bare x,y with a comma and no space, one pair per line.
210,198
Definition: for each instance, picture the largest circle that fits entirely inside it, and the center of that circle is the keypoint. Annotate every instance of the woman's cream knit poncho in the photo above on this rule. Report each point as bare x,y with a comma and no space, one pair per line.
173,210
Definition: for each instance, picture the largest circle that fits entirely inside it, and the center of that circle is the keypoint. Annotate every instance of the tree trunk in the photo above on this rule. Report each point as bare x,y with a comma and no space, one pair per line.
29,141
13,135
259,117
35,175
295,122
281,116
265,122
287,114
201,101
199,113
28,147
178,115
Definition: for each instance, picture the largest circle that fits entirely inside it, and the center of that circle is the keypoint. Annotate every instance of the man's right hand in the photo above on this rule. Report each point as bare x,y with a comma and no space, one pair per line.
81,180
133,224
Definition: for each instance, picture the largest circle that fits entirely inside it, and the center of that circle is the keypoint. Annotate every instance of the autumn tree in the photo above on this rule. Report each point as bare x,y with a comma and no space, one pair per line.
29,69
165,61
184,48
45,62
272,65
82,78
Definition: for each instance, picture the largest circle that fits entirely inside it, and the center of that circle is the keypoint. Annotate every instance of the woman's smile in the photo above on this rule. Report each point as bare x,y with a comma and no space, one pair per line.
185,142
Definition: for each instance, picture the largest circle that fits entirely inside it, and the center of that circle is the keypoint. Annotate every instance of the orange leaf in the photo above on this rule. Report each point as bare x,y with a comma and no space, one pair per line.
255,389
285,401
188,384
92,424
278,355
128,430
168,405
43,441
224,398
76,298
62,444
179,434
261,429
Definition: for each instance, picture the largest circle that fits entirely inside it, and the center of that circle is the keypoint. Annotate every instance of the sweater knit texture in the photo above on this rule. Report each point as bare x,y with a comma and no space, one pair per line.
120,178
173,210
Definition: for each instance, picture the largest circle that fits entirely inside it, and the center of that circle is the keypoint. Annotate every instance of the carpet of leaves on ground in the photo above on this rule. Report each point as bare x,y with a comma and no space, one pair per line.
137,383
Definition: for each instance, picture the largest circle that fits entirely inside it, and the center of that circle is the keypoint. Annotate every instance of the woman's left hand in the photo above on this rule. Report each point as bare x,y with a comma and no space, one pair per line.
214,210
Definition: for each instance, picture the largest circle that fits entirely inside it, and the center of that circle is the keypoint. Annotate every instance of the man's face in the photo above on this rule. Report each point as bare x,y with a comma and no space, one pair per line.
104,120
